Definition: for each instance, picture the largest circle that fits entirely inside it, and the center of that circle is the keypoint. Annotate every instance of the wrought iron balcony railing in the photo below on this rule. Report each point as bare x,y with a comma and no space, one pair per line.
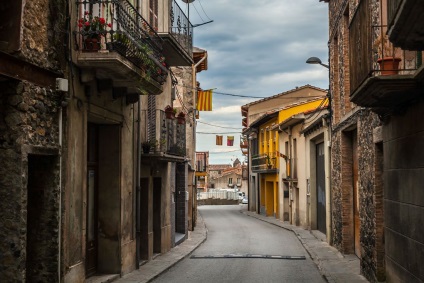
116,26
373,54
201,161
180,28
168,135
266,161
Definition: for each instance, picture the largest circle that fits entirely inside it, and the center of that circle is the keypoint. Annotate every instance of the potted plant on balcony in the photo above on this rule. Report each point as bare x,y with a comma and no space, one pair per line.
388,61
268,162
181,118
170,112
147,146
92,29
120,43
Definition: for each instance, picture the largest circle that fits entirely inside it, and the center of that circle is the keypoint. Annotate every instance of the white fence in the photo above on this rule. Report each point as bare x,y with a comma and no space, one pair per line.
219,194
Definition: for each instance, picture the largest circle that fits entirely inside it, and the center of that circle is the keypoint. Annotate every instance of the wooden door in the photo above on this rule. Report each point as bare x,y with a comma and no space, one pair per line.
356,219
320,189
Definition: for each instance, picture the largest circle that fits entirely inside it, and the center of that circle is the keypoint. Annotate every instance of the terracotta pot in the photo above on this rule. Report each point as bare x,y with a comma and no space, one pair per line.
181,120
389,65
169,114
91,44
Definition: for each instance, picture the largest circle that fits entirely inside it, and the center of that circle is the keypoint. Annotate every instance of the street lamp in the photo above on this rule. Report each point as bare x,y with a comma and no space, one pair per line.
316,60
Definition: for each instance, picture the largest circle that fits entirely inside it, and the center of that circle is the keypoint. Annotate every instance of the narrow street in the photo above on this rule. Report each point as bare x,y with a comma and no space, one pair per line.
246,241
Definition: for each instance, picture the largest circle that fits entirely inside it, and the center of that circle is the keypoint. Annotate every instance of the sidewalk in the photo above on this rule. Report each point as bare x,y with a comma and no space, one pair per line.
153,268
333,266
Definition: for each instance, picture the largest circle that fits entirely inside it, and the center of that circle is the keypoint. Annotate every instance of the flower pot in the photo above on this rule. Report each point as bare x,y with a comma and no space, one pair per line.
181,120
389,65
146,149
169,114
91,44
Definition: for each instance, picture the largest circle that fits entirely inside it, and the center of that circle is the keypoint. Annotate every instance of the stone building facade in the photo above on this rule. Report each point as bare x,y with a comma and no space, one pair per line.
357,209
77,195
30,140
387,101
373,167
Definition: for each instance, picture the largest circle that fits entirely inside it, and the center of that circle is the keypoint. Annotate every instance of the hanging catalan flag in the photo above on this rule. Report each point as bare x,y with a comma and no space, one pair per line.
204,100
218,140
230,140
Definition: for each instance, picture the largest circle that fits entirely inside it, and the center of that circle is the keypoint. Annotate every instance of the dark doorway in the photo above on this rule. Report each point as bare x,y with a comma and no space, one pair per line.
144,219
320,167
92,200
157,212
42,218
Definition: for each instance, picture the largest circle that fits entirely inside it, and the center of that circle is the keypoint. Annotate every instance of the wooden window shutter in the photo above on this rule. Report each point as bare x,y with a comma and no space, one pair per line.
153,15
151,117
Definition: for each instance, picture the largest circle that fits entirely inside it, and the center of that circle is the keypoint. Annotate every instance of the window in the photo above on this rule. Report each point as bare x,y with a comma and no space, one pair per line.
230,181
238,181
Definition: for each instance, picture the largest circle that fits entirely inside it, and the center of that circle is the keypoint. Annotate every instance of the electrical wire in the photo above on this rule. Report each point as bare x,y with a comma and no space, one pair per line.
201,6
223,133
198,13
217,125
249,96
218,152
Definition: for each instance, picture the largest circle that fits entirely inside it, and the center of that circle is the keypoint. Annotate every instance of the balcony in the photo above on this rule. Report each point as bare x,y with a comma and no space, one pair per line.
177,37
374,84
406,23
265,163
167,135
202,163
114,42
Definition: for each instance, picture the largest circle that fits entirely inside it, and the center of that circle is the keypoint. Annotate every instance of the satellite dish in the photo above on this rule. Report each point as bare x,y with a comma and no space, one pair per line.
188,1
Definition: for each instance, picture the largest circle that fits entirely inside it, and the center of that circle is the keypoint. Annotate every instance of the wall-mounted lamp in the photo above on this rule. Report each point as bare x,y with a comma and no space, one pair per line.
316,60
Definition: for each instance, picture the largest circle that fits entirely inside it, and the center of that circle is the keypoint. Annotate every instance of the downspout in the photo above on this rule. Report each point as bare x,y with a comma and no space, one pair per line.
327,161
194,88
59,256
289,133
137,188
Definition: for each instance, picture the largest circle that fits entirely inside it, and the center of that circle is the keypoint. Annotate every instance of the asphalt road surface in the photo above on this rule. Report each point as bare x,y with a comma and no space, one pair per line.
240,248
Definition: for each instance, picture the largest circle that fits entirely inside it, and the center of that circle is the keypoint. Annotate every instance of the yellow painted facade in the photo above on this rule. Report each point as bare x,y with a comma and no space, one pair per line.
269,146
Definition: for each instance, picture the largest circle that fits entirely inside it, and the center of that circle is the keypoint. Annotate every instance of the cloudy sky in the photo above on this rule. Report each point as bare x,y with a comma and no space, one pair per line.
255,48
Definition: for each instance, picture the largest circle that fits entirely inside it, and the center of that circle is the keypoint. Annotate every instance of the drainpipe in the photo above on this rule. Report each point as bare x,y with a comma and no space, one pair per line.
60,194
137,188
289,133
327,158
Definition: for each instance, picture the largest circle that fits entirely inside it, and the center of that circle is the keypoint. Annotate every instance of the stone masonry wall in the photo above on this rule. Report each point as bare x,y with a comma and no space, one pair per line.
44,33
347,118
28,118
